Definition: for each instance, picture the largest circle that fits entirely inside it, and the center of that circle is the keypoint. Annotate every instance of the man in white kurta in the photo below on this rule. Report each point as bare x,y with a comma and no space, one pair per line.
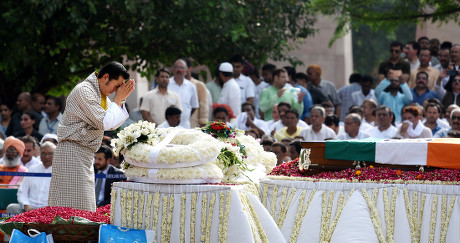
88,113
231,90
186,90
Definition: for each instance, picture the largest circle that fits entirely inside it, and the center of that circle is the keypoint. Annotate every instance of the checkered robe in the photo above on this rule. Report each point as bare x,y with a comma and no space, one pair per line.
80,135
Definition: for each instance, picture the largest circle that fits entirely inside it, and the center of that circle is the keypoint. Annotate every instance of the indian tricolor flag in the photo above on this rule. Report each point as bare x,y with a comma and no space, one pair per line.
436,152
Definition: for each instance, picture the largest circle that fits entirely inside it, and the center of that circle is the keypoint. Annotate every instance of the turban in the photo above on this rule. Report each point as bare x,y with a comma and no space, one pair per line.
16,143
316,68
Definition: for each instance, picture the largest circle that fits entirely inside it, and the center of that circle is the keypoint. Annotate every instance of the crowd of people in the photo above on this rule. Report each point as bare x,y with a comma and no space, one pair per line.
415,96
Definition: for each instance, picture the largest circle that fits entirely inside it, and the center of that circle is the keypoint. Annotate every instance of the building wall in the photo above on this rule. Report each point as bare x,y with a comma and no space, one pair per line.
336,61
446,32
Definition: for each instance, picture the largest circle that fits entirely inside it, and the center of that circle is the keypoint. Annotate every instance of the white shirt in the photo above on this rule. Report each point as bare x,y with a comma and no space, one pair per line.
323,134
115,116
247,87
188,97
358,97
240,123
346,136
47,126
32,162
279,125
231,96
33,190
388,133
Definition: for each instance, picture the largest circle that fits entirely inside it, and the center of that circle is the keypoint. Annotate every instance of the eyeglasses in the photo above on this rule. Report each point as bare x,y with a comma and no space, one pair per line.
455,118
456,80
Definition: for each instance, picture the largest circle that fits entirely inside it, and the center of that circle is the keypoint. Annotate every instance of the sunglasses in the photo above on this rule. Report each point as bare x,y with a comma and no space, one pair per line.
394,50
455,118
456,80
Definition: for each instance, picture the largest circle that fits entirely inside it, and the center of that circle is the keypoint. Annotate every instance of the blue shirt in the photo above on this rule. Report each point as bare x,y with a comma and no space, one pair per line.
419,99
396,103
307,101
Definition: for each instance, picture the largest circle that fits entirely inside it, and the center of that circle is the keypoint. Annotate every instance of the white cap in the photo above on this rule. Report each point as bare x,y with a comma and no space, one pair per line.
226,67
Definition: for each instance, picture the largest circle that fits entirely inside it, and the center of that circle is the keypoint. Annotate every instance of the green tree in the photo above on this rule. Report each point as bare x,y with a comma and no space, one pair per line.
56,43
385,15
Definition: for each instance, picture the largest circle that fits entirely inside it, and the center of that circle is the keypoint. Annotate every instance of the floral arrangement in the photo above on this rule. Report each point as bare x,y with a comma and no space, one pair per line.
241,156
371,173
219,130
140,132
46,215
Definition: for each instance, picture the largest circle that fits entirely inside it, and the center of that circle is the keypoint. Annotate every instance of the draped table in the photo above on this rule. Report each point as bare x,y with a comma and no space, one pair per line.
194,213
312,211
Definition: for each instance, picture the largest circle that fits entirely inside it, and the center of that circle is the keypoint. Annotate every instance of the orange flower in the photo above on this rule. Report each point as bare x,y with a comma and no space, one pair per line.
398,172
358,172
419,176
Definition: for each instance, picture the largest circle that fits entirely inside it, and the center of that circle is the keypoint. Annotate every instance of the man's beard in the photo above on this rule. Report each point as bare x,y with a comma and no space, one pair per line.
13,162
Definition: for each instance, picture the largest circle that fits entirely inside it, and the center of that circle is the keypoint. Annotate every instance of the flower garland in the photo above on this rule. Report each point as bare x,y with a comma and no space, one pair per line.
390,210
284,208
170,214
273,202
374,216
156,209
129,208
135,212
433,219
325,220
409,214
204,210
283,200
340,205
264,195
164,219
415,213
182,217
140,132
192,218
422,209
210,214
113,200
148,212
221,215
245,203
123,205
445,223
301,215
140,217
227,211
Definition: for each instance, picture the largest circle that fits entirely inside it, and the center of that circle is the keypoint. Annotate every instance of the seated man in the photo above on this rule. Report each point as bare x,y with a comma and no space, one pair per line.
352,123
281,123
280,151
102,165
33,192
318,131
455,123
172,115
14,149
248,120
30,146
291,130
385,129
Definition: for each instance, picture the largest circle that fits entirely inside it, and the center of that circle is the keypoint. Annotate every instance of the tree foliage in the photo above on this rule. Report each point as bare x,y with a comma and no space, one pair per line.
385,15
55,43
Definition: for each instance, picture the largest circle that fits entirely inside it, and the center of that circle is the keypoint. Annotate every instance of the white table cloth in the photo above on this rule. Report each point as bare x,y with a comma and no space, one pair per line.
307,211
194,213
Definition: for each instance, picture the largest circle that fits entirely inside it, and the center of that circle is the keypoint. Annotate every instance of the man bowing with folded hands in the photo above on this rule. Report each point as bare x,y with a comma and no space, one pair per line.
88,113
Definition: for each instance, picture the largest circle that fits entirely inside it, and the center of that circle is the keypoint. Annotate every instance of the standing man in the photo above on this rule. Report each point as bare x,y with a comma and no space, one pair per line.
327,88
156,101
247,87
277,93
421,92
231,90
102,159
186,91
201,116
411,50
433,74
49,124
88,113
345,94
394,62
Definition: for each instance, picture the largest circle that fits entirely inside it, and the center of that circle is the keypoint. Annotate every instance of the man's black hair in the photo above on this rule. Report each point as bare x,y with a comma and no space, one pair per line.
115,70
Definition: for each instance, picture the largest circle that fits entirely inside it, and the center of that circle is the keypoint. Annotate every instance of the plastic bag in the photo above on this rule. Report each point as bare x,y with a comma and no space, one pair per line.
34,237
110,233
